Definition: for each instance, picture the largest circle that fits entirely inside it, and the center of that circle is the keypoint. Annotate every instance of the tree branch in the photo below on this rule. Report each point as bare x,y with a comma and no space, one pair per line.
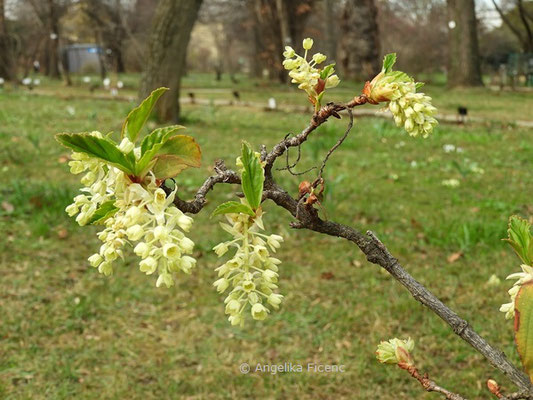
375,251
429,385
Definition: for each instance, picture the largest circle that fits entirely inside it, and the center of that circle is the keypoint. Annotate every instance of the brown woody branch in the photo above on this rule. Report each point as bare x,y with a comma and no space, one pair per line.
307,218
428,384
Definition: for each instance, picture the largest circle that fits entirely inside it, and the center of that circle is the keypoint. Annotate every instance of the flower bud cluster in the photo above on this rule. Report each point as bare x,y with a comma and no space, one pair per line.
144,218
252,274
414,112
306,74
411,110
525,276
396,351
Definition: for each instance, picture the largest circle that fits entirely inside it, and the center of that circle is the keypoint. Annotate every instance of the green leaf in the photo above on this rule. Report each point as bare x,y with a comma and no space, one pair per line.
139,115
166,167
233,207
183,147
176,154
388,62
151,145
103,148
103,212
253,177
326,71
523,326
520,238
418,85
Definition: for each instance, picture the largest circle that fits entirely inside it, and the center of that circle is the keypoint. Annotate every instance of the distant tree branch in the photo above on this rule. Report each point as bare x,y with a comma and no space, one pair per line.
510,25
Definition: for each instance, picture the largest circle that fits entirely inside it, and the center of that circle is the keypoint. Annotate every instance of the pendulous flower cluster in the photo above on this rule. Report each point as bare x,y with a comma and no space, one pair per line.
251,273
140,215
306,74
411,110
525,276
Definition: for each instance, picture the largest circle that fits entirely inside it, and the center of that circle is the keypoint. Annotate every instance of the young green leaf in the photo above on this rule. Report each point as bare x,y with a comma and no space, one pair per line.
105,211
388,61
326,71
151,145
520,238
102,148
166,167
232,207
183,147
253,177
523,326
176,154
140,114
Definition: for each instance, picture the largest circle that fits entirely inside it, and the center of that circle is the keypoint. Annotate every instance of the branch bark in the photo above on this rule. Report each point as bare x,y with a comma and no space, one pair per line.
375,251
429,385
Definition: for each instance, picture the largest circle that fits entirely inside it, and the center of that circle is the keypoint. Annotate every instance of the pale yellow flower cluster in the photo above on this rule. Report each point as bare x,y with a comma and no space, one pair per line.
413,111
306,74
251,273
525,276
142,216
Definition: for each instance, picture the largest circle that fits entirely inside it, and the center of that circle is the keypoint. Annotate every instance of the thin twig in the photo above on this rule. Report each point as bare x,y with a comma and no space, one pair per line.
429,385
339,142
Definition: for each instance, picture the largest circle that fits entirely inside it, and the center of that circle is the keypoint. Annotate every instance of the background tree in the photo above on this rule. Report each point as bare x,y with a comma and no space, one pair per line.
7,62
171,30
463,60
405,23
276,24
360,39
49,13
519,20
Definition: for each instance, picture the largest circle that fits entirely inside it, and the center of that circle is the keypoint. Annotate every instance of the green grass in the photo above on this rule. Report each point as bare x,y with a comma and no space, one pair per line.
67,332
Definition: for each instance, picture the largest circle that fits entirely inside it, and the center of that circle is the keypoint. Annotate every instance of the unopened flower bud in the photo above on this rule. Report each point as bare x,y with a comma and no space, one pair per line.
187,245
72,210
126,145
259,312
165,279
135,232
319,58
274,300
142,250
220,249
221,284
396,351
148,265
95,260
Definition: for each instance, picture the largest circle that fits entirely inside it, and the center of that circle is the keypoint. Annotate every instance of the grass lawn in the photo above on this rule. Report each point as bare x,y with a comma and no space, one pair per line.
67,332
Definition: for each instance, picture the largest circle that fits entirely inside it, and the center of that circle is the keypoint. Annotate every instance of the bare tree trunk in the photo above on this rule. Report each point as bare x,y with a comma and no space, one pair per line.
464,61
7,62
52,48
360,40
256,66
330,28
171,30
286,39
